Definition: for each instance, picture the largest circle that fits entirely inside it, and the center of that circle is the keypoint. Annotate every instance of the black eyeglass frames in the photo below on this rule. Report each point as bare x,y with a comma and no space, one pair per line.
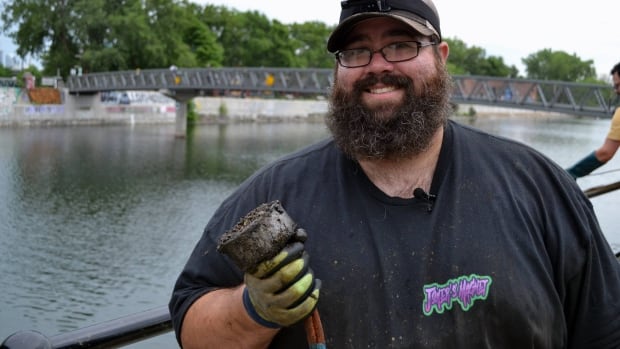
395,52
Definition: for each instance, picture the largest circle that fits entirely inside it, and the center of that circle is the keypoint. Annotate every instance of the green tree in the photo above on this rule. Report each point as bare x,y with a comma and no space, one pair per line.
458,52
278,51
102,35
473,60
310,44
547,64
6,72
34,71
168,22
19,76
228,26
43,30
203,44
94,34
251,39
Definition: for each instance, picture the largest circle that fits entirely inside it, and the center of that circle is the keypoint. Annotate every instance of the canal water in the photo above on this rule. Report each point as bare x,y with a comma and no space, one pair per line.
96,222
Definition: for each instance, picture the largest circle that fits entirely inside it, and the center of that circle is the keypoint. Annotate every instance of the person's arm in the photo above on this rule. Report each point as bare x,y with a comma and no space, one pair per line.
219,320
607,151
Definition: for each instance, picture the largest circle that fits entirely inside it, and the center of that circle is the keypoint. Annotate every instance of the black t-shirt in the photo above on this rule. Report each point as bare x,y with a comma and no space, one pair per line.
508,254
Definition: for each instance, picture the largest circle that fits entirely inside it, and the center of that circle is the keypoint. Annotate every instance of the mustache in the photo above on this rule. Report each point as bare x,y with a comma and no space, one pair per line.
385,78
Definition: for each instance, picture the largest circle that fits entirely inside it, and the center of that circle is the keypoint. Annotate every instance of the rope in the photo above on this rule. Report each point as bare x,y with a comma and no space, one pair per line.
603,172
314,331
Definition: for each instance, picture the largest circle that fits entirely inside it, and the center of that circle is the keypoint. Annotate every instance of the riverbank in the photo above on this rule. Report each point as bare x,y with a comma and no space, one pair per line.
148,107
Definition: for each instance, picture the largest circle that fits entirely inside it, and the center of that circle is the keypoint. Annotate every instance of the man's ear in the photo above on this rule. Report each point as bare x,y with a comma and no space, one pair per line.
444,50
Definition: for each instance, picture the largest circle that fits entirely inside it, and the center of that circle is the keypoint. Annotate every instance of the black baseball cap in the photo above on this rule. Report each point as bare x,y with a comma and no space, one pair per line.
421,15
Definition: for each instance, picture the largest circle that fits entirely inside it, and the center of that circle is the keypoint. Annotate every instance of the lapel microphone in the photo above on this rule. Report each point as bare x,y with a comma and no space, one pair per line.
420,194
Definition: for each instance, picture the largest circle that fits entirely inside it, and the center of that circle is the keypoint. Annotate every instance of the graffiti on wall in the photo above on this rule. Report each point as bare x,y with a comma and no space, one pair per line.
8,97
44,109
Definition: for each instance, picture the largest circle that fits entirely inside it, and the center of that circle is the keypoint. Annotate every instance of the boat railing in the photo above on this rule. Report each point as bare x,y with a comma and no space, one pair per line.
110,334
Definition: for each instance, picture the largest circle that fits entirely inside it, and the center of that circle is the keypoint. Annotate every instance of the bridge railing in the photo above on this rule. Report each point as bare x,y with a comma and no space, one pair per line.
207,80
8,82
565,97
559,96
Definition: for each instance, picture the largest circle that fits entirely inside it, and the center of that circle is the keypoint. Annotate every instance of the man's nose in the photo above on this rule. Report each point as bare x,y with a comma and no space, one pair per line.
377,60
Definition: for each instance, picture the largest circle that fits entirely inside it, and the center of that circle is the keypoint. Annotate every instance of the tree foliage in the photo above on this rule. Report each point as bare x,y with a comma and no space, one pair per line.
559,65
6,72
109,35
19,76
464,60
309,42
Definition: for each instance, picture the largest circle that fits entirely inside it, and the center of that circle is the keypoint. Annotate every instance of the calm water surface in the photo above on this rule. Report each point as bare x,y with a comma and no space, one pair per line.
96,222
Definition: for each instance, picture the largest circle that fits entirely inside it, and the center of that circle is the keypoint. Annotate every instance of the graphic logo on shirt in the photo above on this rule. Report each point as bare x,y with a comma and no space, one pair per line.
464,290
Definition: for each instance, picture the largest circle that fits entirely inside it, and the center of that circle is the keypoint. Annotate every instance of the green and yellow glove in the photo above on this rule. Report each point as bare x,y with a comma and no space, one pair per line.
283,290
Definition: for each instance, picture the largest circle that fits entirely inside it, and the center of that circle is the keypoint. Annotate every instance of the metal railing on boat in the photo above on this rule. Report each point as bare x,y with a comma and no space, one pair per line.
110,334
602,189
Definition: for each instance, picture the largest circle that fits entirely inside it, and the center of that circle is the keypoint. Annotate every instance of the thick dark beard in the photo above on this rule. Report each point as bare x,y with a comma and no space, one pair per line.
362,133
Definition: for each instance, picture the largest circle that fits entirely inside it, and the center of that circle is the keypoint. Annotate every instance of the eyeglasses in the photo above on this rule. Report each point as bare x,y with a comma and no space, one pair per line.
393,53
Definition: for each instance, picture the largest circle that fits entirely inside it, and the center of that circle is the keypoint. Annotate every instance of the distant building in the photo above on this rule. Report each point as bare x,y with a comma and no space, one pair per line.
11,62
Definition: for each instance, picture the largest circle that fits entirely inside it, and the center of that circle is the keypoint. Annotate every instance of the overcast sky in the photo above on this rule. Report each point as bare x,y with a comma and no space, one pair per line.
509,29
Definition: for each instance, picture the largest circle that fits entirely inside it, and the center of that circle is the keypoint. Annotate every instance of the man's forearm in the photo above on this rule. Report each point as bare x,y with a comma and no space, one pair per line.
219,320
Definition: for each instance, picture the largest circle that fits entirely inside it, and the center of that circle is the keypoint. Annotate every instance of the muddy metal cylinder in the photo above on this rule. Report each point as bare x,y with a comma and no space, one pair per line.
258,236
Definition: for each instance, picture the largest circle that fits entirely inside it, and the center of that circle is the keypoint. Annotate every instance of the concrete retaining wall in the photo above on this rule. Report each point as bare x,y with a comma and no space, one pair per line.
146,107
258,108
80,109
152,107
8,98
487,110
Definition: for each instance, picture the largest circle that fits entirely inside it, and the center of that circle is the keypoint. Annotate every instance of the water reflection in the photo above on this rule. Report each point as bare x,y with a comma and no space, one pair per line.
97,221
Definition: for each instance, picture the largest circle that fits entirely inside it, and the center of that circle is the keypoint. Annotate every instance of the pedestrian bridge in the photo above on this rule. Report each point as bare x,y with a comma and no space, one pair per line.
183,84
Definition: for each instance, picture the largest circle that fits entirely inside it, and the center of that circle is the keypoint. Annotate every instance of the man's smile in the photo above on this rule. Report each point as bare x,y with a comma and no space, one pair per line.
380,90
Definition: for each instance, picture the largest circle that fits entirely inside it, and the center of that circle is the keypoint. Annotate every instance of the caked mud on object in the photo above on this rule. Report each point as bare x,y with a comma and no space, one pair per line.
258,236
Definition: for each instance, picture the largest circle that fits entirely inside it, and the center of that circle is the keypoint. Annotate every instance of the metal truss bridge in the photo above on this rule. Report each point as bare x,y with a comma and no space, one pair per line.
183,84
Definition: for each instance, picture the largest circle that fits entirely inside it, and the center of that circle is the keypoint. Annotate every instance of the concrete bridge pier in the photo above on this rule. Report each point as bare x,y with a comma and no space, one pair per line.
181,119
182,100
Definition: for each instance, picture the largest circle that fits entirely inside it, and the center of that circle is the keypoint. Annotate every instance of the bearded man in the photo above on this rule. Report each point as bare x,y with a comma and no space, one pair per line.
414,231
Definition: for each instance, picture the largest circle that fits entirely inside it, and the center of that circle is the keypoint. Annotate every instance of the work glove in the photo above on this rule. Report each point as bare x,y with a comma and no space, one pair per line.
283,290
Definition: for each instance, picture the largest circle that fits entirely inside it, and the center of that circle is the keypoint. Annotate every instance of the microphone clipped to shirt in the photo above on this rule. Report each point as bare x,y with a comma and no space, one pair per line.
420,194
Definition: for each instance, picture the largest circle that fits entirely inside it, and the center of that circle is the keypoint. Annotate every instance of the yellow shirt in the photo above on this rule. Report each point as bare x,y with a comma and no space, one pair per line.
614,129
